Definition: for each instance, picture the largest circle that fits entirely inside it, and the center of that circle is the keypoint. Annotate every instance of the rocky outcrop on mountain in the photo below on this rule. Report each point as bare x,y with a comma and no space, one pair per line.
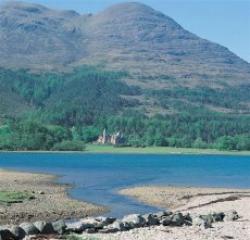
128,36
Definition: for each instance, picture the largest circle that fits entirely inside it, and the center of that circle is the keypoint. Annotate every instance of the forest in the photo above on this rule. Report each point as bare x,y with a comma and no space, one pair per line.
68,110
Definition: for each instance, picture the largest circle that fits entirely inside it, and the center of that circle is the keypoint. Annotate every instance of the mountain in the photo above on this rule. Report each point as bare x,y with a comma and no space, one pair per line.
127,68
129,36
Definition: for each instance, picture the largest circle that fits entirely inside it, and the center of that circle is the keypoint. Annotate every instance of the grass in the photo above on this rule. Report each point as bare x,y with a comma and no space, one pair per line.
94,148
9,197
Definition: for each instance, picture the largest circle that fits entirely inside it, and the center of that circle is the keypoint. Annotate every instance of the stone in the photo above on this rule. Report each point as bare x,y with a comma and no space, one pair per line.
59,227
108,230
231,216
119,226
208,218
177,220
17,232
75,227
151,219
29,228
188,220
201,222
44,227
91,230
162,214
166,221
105,220
134,220
218,217
5,234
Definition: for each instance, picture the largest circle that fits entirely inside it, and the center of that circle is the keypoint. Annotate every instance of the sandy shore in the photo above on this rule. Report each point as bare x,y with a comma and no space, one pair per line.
194,201
51,201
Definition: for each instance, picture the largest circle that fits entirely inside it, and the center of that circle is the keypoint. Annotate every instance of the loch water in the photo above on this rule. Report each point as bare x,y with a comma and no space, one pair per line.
97,177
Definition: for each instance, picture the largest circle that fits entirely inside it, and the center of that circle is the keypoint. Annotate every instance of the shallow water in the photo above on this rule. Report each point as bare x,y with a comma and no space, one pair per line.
97,177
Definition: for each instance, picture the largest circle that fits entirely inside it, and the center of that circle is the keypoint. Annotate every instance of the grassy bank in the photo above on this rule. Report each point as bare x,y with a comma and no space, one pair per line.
93,148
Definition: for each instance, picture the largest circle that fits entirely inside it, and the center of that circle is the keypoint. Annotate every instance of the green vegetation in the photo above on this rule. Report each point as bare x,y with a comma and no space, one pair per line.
69,146
68,111
94,148
7,197
233,98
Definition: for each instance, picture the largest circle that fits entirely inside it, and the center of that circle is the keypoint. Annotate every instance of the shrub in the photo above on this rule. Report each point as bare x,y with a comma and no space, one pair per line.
69,146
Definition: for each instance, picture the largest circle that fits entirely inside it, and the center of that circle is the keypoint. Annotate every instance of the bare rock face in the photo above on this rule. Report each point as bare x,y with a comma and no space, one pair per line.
128,36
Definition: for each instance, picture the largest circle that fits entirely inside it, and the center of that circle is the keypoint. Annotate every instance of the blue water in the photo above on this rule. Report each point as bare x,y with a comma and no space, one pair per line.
97,177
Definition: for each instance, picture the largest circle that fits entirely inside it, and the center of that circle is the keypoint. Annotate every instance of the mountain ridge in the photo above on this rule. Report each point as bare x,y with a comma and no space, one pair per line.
127,36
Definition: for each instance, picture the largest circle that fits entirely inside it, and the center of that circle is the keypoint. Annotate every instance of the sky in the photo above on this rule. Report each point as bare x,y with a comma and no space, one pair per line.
226,22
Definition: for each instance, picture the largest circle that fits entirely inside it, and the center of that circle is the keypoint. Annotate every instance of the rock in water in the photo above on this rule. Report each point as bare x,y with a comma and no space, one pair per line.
29,228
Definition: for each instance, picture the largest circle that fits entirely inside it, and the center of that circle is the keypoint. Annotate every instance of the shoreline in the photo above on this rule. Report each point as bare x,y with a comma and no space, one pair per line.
108,149
50,200
193,202
179,198
52,203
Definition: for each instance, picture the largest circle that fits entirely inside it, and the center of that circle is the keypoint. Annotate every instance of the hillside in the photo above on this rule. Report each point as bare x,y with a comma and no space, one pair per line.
127,68
129,36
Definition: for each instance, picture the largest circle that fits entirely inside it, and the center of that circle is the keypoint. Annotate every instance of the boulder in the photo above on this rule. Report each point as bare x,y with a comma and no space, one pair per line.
44,227
105,221
218,217
231,216
163,214
5,234
59,227
187,220
151,219
201,222
17,232
177,220
29,228
166,221
134,220
75,227
207,218
91,230
118,225
108,230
